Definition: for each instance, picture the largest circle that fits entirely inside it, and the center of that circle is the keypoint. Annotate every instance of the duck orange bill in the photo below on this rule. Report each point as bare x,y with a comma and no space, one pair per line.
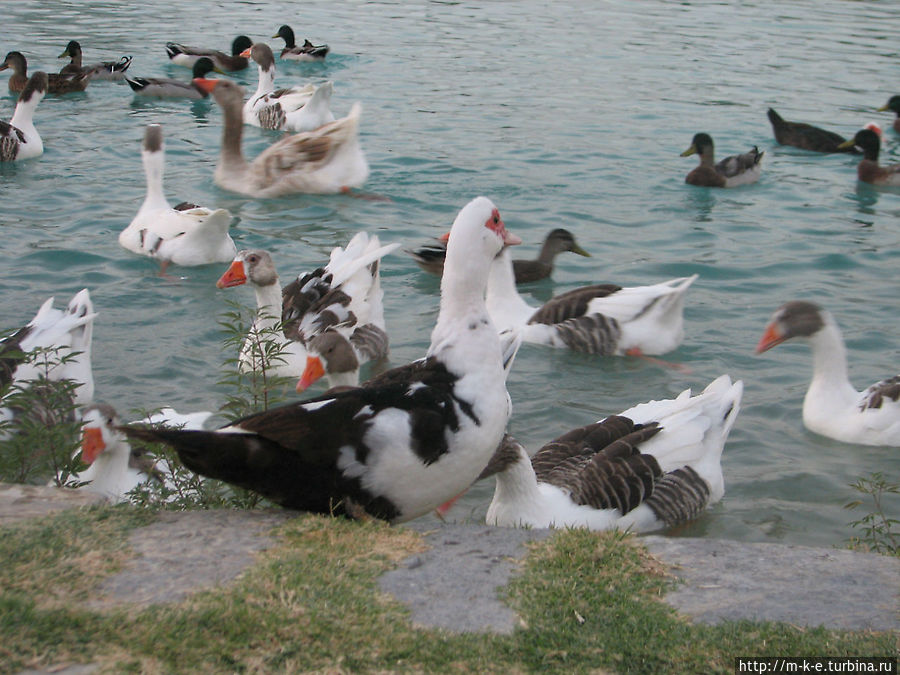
234,276
91,445
313,371
245,53
770,338
206,84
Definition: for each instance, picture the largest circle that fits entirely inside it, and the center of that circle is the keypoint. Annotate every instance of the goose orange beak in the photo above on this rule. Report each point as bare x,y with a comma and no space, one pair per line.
234,276
313,371
771,337
91,445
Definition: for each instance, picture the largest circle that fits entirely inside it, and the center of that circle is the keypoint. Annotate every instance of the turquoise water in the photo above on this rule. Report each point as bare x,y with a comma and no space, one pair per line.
566,114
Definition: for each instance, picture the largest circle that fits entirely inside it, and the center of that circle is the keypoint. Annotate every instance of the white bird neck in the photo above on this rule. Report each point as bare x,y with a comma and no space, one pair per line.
517,487
154,169
506,306
268,305
266,81
108,471
23,117
830,378
462,300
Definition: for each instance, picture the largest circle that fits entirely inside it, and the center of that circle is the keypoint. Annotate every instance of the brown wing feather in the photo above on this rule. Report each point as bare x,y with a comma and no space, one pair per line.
600,464
875,395
572,304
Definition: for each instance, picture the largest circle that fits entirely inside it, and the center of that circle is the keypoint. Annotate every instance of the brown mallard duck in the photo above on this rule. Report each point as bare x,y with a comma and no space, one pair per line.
56,83
730,172
105,70
805,136
430,257
183,55
307,52
868,170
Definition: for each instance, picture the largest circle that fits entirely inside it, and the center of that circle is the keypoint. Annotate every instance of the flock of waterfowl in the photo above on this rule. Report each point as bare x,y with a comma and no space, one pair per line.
413,438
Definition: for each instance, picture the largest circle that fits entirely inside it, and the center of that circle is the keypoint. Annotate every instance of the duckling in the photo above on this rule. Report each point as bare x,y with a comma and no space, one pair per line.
805,136
868,170
730,172
56,83
894,105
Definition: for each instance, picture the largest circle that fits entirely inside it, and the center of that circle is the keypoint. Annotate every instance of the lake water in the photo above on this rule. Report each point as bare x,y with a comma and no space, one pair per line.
566,114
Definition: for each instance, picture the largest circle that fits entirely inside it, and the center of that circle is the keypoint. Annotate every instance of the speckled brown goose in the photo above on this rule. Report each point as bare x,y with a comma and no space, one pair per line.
653,466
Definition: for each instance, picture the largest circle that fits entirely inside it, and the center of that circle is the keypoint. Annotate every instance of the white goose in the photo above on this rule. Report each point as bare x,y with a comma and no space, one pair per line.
186,234
114,467
341,349
653,466
295,109
601,319
343,295
67,332
19,139
403,443
832,406
326,160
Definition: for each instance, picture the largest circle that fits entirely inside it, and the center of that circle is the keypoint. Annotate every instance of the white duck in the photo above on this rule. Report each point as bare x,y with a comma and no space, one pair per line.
19,139
403,443
345,294
832,406
114,467
601,319
326,160
295,109
186,234
653,466
66,332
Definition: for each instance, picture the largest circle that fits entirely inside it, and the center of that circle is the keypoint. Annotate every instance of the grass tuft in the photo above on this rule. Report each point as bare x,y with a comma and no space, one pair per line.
588,602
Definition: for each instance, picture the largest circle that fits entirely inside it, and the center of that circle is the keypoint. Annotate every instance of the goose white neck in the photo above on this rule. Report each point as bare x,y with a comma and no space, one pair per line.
516,490
23,117
266,82
154,169
830,363
268,305
506,306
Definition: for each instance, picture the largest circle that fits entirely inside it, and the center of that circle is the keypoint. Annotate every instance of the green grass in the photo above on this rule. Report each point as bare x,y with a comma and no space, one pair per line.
588,603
